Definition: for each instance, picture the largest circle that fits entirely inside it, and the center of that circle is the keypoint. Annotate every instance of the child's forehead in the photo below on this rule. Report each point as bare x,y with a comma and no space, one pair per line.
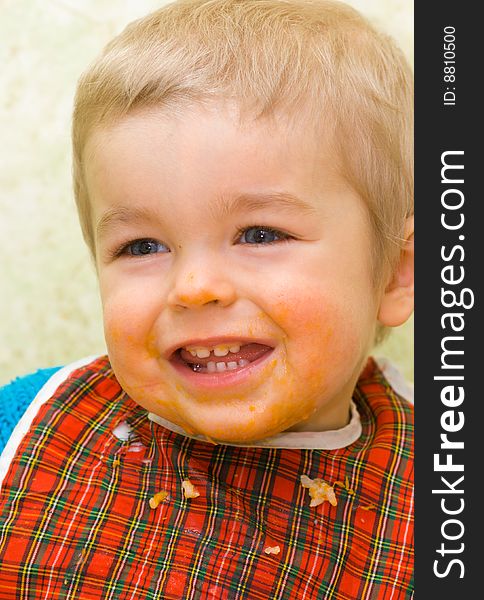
220,129
253,158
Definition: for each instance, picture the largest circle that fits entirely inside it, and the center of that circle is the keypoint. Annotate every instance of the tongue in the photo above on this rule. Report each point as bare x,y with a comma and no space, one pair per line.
248,352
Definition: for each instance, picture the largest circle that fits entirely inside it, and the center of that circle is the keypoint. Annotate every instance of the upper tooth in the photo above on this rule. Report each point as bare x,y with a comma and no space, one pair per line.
199,351
221,350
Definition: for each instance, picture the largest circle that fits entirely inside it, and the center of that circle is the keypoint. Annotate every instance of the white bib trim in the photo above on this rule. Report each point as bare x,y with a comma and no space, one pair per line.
321,440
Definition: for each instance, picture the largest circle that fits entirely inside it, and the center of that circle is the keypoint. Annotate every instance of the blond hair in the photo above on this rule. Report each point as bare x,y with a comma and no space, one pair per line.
269,56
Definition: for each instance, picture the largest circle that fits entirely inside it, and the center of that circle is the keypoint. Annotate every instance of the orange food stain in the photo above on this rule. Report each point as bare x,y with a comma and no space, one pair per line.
158,498
345,486
189,430
210,440
151,347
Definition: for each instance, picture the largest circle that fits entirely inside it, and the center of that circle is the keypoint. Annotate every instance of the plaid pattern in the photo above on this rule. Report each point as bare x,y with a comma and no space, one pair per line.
75,519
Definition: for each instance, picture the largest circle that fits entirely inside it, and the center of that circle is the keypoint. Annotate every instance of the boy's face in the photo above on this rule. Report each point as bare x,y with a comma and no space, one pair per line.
235,272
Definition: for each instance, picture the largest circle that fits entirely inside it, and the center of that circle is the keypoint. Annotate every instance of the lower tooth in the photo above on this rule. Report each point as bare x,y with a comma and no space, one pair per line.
213,367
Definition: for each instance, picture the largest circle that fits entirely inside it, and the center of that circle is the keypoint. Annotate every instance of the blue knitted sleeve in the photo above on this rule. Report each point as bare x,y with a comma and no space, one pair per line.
16,396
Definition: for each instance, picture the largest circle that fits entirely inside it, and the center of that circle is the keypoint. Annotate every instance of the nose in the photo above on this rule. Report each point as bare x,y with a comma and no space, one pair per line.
197,285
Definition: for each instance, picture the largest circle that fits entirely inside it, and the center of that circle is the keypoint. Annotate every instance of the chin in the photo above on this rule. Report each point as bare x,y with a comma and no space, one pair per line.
246,432
237,438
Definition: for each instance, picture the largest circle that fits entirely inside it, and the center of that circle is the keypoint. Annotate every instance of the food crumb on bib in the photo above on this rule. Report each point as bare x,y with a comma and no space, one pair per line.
189,490
272,550
319,491
158,498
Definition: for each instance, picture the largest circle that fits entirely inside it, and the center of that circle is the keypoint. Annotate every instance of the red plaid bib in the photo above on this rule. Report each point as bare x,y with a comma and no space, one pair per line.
85,514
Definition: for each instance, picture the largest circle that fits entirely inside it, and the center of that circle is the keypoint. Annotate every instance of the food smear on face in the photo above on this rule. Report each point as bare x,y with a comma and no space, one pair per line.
319,491
189,490
158,499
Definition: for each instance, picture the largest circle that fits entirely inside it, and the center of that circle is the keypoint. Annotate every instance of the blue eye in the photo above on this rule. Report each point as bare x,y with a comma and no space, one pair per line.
261,235
145,247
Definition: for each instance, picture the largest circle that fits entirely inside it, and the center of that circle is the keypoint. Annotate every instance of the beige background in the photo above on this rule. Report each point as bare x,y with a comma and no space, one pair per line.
50,312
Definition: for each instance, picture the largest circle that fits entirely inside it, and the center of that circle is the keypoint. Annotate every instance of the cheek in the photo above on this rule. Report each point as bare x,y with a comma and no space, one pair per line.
320,332
128,318
134,359
306,315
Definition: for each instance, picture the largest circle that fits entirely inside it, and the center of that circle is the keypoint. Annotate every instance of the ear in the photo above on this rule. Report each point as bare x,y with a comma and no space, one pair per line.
396,304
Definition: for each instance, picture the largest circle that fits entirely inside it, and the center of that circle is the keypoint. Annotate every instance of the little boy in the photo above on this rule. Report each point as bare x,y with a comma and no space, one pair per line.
243,178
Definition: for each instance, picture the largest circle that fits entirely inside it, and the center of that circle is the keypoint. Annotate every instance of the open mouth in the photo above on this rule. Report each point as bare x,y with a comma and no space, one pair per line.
221,358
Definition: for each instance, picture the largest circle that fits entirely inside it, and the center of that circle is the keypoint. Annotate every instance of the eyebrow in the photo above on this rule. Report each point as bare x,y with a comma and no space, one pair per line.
122,214
221,207
281,201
